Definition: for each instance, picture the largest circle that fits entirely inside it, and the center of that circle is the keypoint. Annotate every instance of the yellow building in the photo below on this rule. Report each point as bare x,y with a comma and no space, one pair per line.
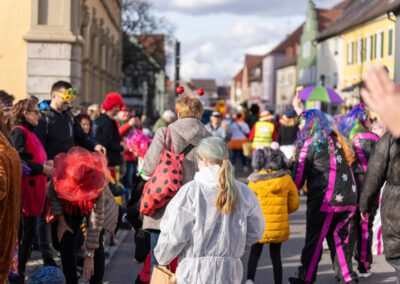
363,36
48,40
369,44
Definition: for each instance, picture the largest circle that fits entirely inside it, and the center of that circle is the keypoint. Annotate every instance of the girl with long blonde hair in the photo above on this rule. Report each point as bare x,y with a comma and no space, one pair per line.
210,221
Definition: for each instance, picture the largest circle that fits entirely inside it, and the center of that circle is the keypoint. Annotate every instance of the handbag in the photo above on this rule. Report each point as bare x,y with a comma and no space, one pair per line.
166,179
162,275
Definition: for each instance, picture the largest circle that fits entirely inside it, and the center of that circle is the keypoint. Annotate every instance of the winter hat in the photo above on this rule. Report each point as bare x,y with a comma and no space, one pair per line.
47,275
291,113
266,115
112,100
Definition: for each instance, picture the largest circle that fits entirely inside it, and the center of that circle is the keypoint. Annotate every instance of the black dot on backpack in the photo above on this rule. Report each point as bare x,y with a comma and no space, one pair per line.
169,156
153,180
159,190
146,205
168,163
165,170
148,191
175,181
175,172
156,201
170,190
32,182
166,182
180,172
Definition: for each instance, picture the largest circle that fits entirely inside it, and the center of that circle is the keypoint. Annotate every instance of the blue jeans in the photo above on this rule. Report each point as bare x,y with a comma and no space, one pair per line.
154,235
127,180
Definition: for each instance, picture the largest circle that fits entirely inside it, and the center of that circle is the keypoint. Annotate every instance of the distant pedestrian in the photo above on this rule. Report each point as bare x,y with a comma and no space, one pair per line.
278,197
210,221
239,130
287,133
264,131
217,127
167,118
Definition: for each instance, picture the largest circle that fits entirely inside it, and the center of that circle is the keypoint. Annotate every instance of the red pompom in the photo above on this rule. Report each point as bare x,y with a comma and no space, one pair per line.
180,90
200,91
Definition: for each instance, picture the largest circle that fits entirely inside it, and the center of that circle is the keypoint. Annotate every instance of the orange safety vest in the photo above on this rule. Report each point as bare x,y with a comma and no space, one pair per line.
263,134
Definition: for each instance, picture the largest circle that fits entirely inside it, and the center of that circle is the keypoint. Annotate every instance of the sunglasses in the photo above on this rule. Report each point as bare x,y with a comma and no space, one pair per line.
69,96
6,107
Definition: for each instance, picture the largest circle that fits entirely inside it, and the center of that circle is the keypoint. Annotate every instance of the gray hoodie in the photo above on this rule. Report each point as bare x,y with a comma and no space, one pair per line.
183,132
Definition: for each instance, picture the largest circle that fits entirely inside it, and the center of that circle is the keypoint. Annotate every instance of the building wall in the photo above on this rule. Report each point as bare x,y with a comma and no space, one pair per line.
330,63
14,23
269,65
286,82
355,62
76,41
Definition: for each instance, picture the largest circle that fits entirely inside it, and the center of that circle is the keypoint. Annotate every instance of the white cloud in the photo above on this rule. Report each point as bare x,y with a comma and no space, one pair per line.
274,8
216,34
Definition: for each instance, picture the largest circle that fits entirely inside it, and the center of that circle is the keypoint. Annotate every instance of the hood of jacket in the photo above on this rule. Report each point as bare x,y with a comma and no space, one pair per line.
190,129
264,175
208,176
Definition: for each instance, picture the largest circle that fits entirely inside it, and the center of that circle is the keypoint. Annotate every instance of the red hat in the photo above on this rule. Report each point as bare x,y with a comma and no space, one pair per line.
112,100
266,115
80,177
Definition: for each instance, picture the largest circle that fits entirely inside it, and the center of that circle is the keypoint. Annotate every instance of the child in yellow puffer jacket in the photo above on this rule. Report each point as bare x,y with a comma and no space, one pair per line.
278,197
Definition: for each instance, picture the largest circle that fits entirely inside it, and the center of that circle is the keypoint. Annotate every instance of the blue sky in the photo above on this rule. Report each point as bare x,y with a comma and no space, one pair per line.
215,34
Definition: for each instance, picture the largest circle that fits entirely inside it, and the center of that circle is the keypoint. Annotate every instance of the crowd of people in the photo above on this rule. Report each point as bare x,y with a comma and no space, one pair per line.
70,179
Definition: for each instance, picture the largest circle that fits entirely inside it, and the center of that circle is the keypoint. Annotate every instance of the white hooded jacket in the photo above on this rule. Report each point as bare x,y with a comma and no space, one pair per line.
208,244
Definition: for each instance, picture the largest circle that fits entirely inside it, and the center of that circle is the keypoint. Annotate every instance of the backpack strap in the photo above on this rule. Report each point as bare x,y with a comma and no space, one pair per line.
187,149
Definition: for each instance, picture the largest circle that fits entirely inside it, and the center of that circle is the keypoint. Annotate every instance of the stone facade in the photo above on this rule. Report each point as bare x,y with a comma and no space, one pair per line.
74,40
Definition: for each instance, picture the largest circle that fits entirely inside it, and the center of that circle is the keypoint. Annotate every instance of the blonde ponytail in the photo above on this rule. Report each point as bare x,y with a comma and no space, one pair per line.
214,150
227,198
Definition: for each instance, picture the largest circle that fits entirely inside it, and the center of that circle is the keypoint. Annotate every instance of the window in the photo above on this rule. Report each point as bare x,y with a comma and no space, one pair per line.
374,47
353,52
336,45
349,53
359,51
378,45
390,46
382,44
368,48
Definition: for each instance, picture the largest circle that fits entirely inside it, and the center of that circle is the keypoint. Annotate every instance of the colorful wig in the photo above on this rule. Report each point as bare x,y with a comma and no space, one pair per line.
355,121
317,126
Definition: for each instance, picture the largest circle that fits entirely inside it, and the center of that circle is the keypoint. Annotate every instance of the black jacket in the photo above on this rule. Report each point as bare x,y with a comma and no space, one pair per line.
18,138
287,135
384,165
59,132
107,135
317,165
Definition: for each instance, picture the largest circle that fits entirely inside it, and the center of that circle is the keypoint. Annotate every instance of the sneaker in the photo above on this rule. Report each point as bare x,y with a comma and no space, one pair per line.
249,281
363,274
296,280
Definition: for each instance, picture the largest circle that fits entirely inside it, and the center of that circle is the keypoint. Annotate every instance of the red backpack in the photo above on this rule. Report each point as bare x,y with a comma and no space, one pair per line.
166,179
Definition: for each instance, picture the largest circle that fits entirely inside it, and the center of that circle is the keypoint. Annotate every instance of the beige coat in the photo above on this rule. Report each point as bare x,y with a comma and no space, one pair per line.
10,199
184,132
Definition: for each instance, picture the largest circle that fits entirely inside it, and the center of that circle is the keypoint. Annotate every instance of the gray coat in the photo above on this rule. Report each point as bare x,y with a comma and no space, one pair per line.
183,132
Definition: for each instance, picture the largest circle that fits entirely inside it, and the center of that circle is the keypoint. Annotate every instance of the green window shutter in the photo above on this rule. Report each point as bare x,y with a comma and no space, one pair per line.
390,47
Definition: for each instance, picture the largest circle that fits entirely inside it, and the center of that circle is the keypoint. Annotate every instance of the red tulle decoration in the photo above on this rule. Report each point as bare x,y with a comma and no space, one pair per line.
79,178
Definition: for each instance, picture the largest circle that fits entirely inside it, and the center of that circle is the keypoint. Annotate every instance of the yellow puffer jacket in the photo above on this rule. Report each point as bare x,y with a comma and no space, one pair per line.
278,197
